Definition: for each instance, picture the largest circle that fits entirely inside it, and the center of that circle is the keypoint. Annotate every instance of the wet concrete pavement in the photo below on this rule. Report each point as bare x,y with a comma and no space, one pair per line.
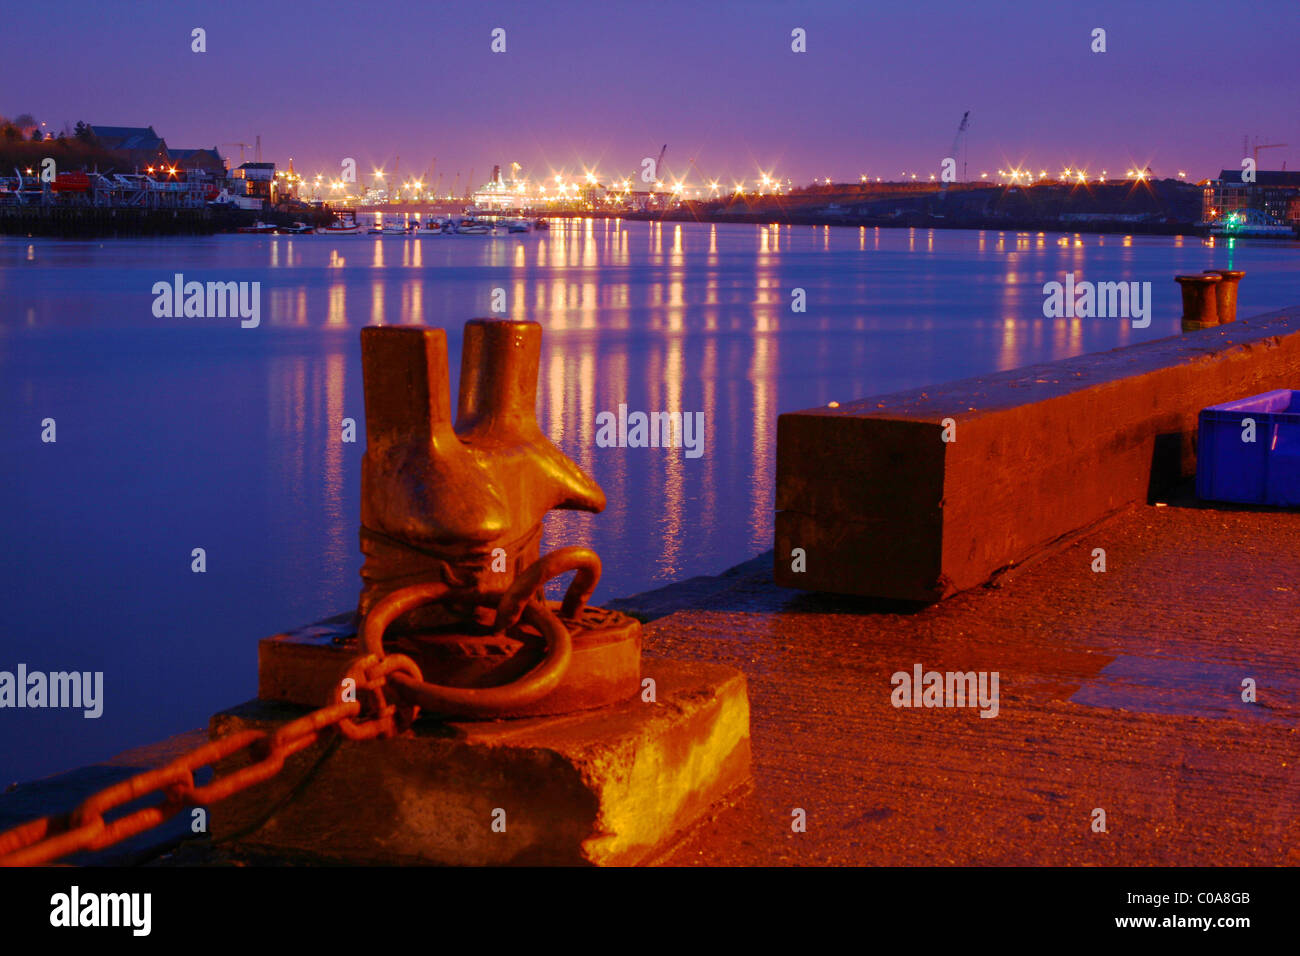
1119,690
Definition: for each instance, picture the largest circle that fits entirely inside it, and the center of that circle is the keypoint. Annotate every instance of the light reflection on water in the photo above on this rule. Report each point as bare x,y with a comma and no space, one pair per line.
183,433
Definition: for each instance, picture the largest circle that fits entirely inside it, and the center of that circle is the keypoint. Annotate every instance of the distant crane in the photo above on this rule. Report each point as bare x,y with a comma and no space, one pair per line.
1259,146
1245,146
659,174
956,142
698,172
242,147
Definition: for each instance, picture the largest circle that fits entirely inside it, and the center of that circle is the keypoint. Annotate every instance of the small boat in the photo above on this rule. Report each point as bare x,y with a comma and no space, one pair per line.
375,231
394,229
340,228
519,225
432,227
257,228
472,227
297,229
541,224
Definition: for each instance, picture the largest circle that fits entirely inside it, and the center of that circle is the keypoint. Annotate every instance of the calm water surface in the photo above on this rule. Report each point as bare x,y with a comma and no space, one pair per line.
175,434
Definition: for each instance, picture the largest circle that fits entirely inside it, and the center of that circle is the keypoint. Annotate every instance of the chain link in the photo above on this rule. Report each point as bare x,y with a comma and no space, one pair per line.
360,693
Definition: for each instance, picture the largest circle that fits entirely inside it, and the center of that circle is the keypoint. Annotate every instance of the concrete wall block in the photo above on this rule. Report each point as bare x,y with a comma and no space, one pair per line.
1040,452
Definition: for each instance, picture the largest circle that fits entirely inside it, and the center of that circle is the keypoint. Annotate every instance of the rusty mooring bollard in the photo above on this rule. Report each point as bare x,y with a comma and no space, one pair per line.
1200,305
451,523
1225,293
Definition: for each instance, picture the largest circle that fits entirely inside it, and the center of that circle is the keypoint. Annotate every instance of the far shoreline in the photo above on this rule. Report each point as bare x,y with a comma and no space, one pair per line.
224,222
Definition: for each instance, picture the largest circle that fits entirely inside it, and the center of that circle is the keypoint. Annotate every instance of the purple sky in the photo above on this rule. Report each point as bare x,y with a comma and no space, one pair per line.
880,90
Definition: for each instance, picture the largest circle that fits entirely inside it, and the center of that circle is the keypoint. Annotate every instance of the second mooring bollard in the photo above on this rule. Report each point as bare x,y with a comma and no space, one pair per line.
1200,304
1225,293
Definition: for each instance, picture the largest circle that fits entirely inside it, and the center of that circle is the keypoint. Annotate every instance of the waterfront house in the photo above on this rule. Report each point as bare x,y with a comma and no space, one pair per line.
253,181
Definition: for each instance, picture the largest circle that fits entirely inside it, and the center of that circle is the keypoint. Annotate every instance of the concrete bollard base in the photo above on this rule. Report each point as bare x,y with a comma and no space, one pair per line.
613,786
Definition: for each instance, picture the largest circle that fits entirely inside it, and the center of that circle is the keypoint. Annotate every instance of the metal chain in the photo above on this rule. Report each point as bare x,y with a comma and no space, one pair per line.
525,598
51,837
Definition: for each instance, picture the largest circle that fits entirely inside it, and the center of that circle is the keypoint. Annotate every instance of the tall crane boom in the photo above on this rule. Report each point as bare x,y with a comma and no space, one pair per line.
961,128
952,153
1259,146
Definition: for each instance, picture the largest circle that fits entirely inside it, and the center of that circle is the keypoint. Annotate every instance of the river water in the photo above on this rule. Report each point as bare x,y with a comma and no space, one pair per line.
180,433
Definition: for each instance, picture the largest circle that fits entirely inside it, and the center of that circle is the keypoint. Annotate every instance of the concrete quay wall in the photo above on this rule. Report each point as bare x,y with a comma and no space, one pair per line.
883,506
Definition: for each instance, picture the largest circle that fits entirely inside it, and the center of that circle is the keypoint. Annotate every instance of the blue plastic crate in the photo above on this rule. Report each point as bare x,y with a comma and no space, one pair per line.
1263,472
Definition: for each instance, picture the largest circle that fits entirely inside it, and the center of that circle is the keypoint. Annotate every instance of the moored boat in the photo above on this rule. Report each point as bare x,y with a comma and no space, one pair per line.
297,229
340,228
257,228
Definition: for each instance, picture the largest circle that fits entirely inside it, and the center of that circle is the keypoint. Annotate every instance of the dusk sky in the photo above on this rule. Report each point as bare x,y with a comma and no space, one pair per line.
879,91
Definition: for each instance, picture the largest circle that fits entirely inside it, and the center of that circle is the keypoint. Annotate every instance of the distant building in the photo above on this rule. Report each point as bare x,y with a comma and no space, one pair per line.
207,160
641,201
287,183
253,179
1276,194
593,194
140,144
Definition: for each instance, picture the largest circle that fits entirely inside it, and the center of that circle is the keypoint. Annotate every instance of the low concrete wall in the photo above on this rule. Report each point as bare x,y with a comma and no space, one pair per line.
883,507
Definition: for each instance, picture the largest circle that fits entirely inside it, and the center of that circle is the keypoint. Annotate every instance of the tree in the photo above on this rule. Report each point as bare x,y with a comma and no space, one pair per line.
36,135
83,133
